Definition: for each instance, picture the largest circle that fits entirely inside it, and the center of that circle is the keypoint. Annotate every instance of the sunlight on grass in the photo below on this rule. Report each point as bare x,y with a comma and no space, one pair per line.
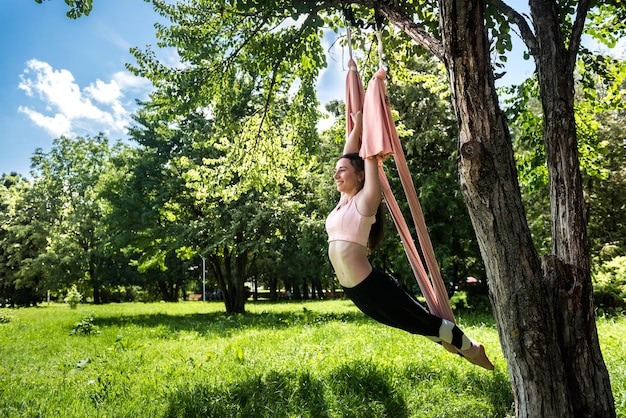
304,359
612,334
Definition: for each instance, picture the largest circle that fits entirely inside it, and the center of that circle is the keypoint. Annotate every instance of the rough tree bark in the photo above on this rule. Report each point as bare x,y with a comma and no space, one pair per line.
568,269
544,310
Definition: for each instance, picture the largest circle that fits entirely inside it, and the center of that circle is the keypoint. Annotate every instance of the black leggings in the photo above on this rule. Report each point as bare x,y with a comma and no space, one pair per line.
381,297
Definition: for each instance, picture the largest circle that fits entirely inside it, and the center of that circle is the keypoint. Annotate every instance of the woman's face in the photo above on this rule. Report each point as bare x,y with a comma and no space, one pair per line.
346,177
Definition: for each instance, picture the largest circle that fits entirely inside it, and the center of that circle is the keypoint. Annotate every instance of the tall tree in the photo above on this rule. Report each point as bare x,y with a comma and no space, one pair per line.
22,239
543,308
600,120
148,204
67,179
214,182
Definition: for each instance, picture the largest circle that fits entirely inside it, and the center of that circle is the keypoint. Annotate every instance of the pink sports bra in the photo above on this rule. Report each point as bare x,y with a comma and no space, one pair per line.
345,223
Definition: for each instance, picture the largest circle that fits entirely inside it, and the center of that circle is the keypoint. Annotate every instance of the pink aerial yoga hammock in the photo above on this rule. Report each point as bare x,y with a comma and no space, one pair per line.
380,139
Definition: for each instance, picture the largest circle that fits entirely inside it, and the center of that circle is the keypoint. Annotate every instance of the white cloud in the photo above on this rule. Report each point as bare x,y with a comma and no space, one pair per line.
55,126
325,123
169,57
105,93
128,81
64,109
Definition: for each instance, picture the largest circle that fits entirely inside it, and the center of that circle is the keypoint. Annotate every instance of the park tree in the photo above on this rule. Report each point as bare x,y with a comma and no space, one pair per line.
599,113
22,239
147,201
551,327
290,259
66,180
207,182
542,304
600,123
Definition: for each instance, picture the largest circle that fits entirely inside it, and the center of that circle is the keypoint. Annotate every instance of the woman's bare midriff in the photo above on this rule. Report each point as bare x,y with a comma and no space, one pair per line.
349,261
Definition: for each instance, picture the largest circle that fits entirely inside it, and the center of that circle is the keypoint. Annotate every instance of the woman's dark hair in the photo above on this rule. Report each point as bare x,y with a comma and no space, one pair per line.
376,233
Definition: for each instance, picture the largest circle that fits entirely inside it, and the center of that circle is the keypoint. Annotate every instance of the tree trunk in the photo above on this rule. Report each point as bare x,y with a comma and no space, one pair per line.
569,268
241,295
544,315
273,285
316,286
228,269
295,290
97,297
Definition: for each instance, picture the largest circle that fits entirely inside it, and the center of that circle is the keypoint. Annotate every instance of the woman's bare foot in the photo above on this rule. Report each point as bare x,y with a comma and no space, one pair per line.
476,355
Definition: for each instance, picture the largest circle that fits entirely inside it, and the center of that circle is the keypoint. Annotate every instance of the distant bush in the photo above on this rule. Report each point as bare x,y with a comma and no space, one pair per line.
609,286
472,297
85,327
5,316
73,297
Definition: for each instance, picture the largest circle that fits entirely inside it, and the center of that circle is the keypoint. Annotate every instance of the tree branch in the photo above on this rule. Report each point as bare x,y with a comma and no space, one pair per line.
395,15
577,31
415,32
527,34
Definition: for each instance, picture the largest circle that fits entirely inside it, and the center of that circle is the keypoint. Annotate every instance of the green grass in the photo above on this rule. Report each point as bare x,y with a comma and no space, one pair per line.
310,359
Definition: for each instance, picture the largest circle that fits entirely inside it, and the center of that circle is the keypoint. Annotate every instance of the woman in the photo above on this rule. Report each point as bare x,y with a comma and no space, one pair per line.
354,227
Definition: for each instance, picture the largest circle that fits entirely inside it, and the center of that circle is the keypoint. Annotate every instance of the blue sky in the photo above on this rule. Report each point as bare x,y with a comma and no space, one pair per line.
66,77
60,76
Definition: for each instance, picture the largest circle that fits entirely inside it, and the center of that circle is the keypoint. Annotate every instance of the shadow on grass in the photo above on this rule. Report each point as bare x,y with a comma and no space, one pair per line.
358,389
221,323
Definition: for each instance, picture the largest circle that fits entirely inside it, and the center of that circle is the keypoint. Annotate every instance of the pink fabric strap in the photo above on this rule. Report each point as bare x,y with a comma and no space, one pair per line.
380,139
432,287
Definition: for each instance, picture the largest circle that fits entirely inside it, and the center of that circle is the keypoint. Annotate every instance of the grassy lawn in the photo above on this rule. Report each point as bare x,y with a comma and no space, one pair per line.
298,359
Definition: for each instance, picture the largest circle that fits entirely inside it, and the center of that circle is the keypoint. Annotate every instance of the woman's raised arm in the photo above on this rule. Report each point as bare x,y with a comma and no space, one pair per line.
371,194
353,141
